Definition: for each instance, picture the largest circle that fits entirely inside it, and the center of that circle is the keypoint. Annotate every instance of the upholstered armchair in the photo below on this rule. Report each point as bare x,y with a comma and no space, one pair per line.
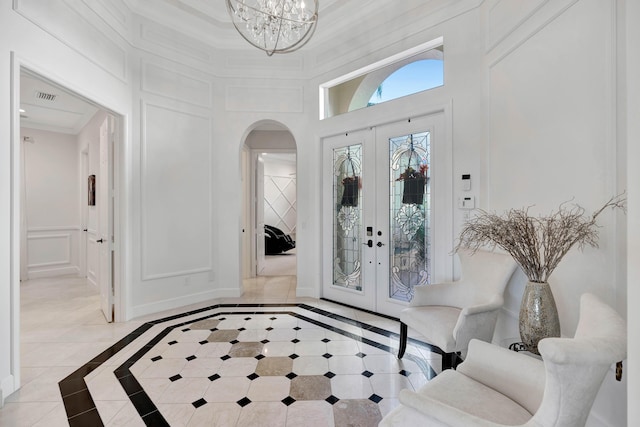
448,315
495,387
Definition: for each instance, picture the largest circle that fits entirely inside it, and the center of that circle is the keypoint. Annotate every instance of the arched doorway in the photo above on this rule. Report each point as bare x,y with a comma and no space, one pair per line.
269,202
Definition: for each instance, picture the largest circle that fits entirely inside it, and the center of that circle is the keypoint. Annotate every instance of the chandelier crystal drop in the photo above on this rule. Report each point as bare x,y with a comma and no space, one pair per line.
275,26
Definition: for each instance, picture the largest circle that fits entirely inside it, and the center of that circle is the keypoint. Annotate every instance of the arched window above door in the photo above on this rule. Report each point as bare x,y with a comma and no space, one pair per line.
422,74
406,73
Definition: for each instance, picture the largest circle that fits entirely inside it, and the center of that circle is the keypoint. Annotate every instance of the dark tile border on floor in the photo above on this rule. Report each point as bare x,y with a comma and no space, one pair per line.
81,409
430,347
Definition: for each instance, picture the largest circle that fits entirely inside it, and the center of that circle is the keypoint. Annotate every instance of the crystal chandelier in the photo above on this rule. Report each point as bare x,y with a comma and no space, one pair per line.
275,26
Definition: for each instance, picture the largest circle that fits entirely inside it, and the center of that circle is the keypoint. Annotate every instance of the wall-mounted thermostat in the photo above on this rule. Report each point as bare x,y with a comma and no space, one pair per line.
466,182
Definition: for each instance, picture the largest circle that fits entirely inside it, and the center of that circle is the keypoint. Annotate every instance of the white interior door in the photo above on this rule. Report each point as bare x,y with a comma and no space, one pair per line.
395,233
104,200
84,236
259,209
246,214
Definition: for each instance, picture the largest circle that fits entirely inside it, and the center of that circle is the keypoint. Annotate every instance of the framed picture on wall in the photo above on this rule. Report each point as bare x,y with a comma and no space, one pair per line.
92,190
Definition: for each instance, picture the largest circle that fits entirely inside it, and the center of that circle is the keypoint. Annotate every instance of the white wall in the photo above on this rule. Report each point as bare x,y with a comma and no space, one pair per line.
551,138
52,203
88,57
280,193
628,17
533,77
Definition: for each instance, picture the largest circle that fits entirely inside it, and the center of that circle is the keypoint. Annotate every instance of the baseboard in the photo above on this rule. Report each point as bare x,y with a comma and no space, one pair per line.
170,304
7,386
92,281
307,292
54,272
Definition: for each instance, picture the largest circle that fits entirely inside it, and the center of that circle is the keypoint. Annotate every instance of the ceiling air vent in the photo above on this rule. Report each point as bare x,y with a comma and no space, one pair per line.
46,96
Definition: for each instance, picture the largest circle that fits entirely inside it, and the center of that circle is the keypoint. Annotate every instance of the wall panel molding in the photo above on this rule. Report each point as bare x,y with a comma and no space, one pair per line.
176,42
256,63
57,246
176,206
551,111
79,29
527,29
117,17
505,16
54,228
255,98
159,80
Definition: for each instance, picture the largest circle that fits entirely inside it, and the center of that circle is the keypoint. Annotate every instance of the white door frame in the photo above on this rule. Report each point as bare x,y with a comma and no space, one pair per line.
105,200
443,240
253,155
17,65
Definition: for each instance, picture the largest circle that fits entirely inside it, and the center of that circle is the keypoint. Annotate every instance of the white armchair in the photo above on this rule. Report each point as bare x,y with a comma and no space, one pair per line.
495,387
448,315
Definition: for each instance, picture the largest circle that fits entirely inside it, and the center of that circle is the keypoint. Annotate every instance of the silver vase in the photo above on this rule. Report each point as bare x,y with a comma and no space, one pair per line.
538,315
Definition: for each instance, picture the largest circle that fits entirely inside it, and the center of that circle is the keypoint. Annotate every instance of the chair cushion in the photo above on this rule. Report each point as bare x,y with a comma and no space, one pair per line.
459,391
435,323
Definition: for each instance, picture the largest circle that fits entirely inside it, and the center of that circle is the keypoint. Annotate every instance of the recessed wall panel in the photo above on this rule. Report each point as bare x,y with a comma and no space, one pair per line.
551,112
506,15
47,250
264,99
176,192
174,85
78,31
174,41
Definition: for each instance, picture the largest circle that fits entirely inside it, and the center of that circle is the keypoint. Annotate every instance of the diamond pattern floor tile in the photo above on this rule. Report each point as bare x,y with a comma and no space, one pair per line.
267,365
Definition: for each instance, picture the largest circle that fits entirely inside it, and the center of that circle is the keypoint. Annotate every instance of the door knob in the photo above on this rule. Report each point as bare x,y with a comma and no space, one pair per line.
369,243
99,241
380,244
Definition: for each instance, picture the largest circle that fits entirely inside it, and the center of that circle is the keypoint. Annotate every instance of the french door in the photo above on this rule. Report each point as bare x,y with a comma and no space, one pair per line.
386,213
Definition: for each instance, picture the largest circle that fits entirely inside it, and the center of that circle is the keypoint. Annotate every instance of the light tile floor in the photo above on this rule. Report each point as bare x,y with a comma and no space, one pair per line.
300,361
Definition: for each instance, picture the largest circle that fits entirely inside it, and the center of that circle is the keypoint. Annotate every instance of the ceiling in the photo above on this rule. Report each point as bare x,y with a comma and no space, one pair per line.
339,21
49,107
46,106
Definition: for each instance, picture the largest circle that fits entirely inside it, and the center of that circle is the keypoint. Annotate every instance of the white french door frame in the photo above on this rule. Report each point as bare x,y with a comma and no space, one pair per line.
441,222
374,294
364,297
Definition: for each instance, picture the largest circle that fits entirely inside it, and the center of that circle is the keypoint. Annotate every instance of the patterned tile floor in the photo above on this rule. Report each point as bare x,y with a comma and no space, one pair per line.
238,363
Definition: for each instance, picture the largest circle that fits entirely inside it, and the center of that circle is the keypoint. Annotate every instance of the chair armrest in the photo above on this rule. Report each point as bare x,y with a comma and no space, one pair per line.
477,321
583,351
516,375
496,302
436,294
442,412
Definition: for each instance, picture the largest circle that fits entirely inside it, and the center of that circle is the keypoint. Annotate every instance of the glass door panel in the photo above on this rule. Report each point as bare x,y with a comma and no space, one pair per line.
347,217
409,214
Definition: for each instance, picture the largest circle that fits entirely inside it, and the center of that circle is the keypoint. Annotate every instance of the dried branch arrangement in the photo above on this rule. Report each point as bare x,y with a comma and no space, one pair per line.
537,244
